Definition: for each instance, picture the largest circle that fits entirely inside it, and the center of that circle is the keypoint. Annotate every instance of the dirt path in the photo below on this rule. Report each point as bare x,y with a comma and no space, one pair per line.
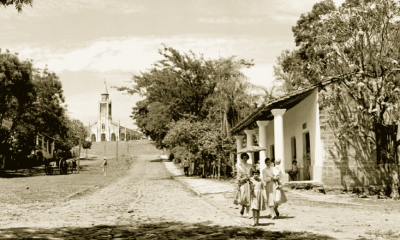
330,215
146,204
149,204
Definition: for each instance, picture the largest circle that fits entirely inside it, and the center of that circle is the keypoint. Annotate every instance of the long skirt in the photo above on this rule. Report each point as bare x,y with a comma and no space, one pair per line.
243,195
279,196
269,190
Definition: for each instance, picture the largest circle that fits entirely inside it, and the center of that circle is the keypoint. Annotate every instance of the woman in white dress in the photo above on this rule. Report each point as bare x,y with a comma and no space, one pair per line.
278,193
267,175
243,196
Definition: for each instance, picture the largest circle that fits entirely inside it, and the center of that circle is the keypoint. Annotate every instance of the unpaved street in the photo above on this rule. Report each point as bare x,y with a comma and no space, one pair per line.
146,204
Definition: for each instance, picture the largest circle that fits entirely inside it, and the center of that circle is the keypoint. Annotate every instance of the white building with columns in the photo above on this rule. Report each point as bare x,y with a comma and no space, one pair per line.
296,127
289,130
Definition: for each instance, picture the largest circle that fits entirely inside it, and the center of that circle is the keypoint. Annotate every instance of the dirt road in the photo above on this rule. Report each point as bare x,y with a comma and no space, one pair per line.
146,204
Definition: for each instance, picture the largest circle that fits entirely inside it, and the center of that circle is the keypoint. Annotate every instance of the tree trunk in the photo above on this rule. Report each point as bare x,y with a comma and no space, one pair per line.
232,156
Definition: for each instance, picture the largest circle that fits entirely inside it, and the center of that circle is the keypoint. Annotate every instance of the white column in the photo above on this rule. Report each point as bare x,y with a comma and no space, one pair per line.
239,145
250,142
262,132
278,134
318,160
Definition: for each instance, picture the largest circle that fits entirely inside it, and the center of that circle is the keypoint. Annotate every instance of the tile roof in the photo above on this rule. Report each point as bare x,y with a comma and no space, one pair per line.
291,98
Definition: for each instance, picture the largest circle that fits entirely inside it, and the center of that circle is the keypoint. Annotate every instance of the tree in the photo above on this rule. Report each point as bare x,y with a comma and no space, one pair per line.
232,95
17,94
76,131
288,72
180,84
18,3
361,47
152,119
292,69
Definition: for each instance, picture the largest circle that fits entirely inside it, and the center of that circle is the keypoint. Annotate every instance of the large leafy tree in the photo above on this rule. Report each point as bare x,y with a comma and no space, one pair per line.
182,84
292,69
46,115
17,94
361,48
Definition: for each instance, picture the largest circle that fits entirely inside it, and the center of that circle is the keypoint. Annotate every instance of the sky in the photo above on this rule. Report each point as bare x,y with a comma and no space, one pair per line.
87,42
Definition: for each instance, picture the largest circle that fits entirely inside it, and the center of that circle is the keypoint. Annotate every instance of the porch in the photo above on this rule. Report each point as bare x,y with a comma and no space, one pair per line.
288,128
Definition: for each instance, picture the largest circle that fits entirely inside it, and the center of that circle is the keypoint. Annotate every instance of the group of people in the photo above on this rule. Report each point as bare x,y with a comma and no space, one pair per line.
256,194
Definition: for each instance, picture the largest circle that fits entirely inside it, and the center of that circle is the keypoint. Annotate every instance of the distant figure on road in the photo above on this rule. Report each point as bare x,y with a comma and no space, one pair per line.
74,166
104,165
186,165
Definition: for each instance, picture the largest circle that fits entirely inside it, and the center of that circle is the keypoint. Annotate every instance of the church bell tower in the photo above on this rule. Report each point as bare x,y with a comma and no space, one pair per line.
104,115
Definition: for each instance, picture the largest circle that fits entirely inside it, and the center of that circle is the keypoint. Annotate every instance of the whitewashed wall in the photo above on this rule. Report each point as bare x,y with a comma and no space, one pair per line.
293,119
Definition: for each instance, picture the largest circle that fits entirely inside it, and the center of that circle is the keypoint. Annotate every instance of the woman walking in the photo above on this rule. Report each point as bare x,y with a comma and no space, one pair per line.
278,196
243,196
269,185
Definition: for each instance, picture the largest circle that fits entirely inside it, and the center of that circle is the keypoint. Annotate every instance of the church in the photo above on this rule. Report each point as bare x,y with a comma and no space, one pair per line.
105,129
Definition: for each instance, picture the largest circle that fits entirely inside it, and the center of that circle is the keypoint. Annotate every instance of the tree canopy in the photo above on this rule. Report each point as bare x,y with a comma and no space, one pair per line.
19,4
31,104
186,84
357,46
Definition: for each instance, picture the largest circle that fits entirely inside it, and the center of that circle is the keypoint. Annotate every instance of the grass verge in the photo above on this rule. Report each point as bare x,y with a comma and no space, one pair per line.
43,188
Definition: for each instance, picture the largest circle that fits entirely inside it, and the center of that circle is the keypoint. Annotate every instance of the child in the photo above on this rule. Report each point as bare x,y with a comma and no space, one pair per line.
259,199
293,173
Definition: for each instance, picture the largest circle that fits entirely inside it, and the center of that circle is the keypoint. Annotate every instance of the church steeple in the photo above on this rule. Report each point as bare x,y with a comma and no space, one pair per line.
105,91
104,94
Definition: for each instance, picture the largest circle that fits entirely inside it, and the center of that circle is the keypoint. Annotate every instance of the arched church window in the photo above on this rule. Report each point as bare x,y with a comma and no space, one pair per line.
103,126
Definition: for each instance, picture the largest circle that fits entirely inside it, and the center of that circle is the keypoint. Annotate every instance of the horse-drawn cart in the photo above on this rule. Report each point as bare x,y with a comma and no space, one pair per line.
62,167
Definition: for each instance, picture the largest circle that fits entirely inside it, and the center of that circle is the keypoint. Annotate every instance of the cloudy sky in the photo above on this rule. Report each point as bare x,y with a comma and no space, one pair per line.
88,41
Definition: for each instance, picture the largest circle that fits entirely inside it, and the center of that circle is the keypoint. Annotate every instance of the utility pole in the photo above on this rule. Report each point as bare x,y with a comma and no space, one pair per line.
117,148
105,147
127,149
117,137
79,154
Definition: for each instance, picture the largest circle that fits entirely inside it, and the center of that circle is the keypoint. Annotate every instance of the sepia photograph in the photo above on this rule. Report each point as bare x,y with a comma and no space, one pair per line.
200,119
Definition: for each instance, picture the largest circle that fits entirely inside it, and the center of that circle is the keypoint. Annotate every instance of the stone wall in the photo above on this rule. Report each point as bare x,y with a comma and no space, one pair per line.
348,164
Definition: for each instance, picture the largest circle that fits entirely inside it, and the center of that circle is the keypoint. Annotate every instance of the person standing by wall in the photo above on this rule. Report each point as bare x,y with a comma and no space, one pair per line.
186,165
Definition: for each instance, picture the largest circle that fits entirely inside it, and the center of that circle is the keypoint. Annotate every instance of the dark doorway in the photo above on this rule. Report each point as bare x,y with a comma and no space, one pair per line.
307,156
113,137
93,138
103,137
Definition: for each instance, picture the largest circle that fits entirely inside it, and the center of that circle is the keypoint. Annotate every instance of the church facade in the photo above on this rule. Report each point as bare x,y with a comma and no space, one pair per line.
105,129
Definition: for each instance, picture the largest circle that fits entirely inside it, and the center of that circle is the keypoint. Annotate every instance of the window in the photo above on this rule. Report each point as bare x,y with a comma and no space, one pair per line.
294,152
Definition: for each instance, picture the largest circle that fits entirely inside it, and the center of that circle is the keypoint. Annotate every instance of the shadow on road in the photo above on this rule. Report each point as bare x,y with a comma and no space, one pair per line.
160,160
160,230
